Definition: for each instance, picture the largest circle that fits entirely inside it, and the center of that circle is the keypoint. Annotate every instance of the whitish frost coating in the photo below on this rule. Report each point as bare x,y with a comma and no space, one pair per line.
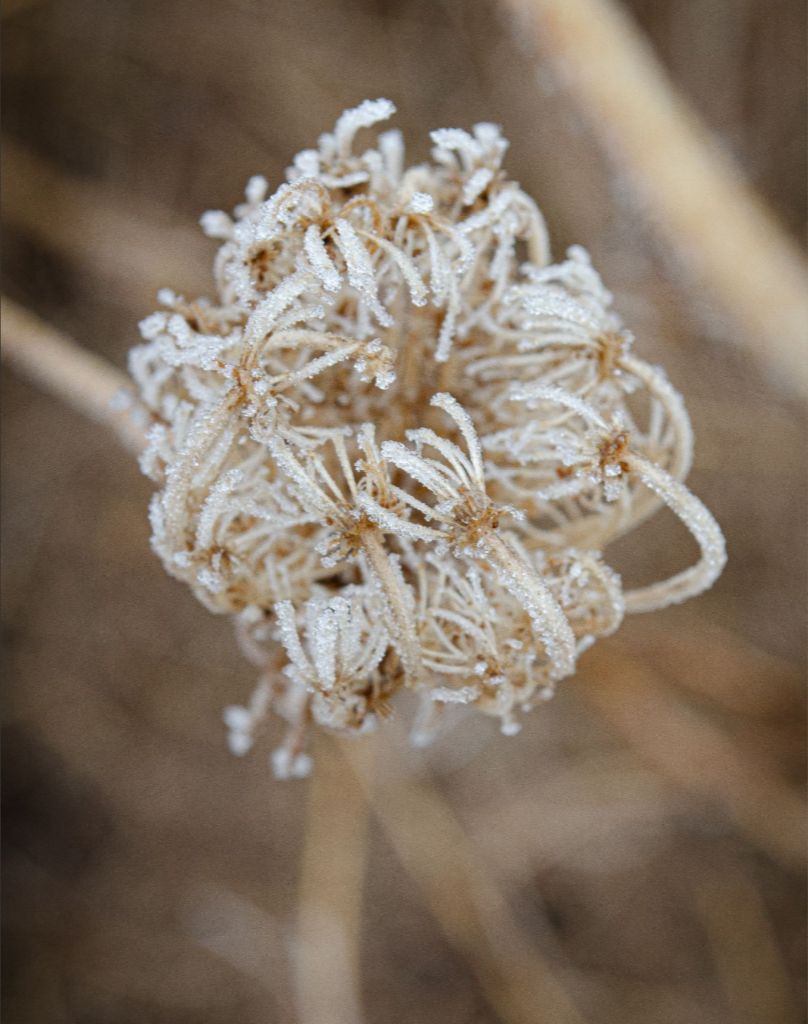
396,443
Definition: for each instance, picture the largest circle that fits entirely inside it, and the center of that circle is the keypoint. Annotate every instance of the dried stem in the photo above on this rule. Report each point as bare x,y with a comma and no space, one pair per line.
530,589
717,226
703,527
84,223
748,961
696,754
59,366
327,968
466,902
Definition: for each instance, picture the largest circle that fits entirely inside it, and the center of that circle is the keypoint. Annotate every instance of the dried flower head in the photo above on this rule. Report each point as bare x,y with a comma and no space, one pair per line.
396,443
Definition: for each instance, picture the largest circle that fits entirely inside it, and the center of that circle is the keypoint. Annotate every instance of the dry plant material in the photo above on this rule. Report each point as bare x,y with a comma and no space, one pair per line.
397,442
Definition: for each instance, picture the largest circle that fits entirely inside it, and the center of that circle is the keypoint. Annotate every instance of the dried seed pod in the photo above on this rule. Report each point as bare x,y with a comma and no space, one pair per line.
393,450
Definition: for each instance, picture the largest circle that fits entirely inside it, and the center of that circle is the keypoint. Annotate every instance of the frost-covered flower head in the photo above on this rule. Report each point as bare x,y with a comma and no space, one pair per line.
396,443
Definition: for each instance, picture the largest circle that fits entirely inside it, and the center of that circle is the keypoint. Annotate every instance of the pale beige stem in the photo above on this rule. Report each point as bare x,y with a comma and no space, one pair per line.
466,902
743,944
131,244
327,950
693,752
84,381
717,226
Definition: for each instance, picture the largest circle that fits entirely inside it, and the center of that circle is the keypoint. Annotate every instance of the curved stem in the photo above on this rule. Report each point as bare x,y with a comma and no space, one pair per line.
702,525
669,398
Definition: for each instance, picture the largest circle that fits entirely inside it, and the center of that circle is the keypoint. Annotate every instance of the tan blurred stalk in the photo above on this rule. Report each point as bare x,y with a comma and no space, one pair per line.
743,945
725,238
465,900
139,246
63,368
693,752
329,918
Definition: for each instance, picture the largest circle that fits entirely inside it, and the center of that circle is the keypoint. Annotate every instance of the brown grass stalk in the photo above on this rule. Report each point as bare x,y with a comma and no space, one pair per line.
466,902
695,753
720,231
60,367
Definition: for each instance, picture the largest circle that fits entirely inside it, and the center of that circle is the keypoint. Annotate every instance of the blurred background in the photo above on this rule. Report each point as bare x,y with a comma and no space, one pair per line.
636,854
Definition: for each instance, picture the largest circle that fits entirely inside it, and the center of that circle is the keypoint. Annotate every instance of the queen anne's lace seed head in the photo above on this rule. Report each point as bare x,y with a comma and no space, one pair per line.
394,449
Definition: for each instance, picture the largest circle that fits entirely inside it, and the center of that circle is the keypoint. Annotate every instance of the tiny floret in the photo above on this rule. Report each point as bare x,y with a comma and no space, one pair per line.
396,442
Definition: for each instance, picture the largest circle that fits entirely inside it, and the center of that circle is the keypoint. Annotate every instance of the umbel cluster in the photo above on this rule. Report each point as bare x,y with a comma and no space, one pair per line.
396,442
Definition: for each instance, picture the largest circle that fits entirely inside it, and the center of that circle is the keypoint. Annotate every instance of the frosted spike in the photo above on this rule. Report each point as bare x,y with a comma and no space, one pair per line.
368,113
321,263
360,270
216,224
256,189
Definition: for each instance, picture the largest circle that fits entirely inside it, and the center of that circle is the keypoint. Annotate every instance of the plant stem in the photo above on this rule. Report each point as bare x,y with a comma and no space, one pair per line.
327,950
463,896
697,755
62,368
721,232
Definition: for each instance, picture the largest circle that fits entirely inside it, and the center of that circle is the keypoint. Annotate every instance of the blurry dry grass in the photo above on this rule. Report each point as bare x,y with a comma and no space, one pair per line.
636,854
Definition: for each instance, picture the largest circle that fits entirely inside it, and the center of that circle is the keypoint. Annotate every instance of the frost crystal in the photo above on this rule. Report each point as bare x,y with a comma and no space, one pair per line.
395,451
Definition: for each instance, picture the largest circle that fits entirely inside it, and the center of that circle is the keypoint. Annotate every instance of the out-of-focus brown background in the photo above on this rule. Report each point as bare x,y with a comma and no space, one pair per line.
638,846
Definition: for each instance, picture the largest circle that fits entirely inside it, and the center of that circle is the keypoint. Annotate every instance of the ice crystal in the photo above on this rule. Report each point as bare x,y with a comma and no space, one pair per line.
394,449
